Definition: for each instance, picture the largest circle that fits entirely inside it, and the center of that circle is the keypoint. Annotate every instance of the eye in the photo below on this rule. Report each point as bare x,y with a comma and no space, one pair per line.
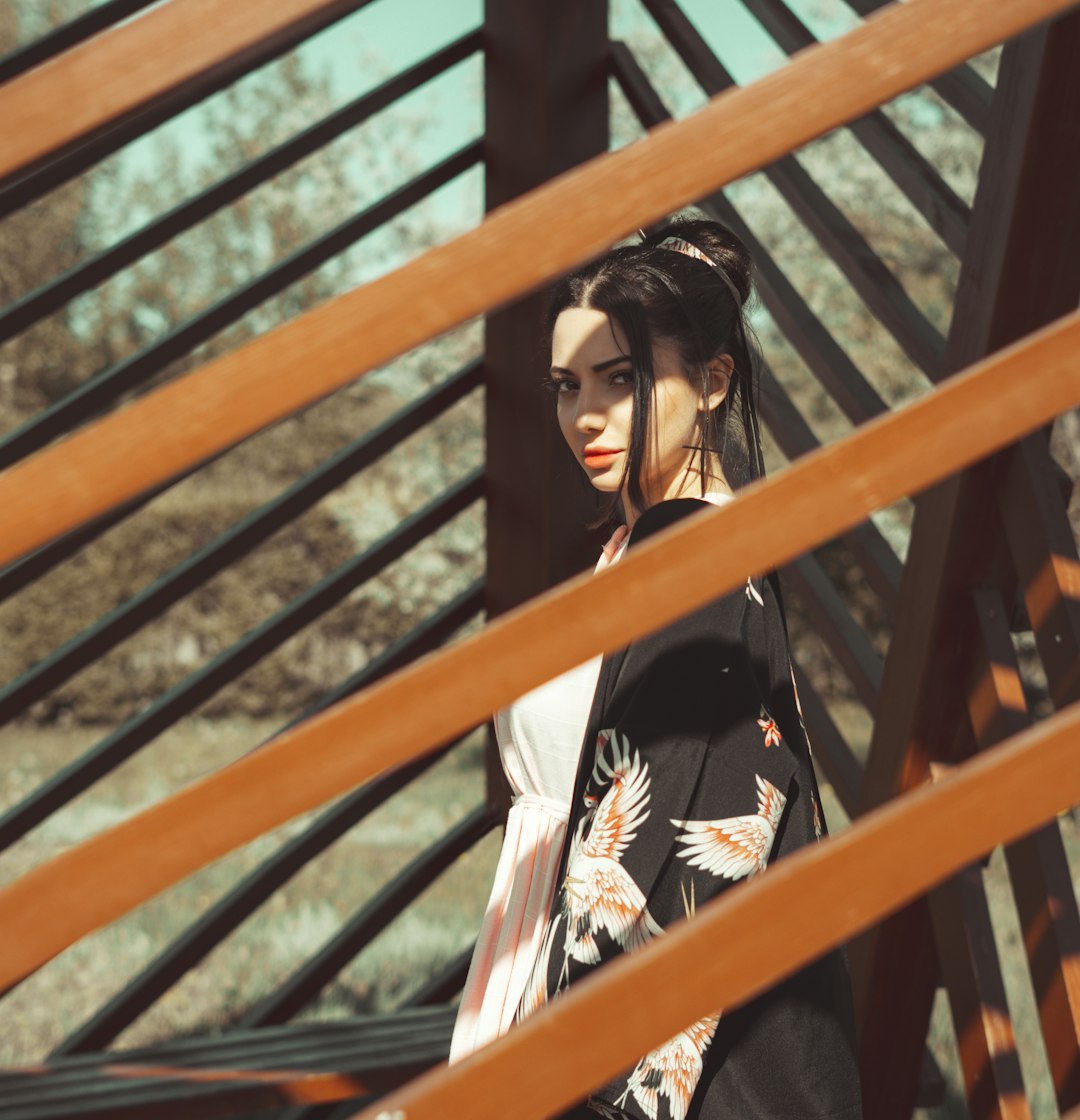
622,377
560,384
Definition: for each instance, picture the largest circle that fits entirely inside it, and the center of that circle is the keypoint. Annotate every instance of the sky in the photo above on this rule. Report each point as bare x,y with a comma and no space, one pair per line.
387,36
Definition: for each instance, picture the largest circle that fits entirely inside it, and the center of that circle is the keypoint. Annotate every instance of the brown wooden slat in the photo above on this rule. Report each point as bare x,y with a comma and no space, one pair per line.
1038,866
1012,277
1044,551
665,577
67,35
828,361
832,755
826,891
841,241
972,973
938,203
834,624
793,436
554,228
113,75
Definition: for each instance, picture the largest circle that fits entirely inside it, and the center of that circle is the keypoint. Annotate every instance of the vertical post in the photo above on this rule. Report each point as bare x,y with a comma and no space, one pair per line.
547,111
1014,279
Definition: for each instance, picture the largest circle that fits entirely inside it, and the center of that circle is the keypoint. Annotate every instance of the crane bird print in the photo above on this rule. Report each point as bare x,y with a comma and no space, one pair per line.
672,1070
735,847
600,894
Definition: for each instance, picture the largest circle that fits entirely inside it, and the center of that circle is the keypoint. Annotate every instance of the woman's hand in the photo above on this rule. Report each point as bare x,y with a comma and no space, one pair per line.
612,546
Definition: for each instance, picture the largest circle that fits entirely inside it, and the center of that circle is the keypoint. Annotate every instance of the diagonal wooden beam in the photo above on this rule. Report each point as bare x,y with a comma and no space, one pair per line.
1012,277
1044,552
666,577
976,990
116,74
519,247
1038,866
540,1067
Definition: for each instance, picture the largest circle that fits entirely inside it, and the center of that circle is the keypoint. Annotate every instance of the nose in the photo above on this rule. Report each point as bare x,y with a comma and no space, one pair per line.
589,414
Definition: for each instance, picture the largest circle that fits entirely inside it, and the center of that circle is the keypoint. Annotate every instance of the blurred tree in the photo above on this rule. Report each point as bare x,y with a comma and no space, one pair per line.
166,289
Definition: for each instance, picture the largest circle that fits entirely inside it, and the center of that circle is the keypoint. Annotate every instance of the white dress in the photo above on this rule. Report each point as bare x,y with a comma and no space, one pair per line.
539,738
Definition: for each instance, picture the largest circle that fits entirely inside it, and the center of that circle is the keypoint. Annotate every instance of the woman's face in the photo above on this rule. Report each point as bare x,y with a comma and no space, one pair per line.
595,385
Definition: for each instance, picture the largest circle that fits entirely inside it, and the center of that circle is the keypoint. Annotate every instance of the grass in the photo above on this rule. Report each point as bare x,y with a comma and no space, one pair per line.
288,928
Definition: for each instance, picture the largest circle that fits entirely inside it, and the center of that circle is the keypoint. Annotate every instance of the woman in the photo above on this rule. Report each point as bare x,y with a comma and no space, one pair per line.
695,771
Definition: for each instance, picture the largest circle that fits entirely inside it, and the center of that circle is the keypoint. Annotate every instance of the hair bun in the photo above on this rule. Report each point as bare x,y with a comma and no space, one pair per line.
725,249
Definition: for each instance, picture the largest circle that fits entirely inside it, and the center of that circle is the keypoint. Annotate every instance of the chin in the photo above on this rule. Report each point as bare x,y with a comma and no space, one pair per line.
605,485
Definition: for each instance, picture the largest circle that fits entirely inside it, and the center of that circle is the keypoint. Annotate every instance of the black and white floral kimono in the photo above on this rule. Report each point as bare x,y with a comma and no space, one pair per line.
696,774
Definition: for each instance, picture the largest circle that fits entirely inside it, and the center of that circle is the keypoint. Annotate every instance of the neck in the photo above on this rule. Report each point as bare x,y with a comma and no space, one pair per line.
712,488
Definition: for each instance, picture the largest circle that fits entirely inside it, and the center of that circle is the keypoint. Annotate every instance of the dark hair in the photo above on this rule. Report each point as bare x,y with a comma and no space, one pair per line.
660,293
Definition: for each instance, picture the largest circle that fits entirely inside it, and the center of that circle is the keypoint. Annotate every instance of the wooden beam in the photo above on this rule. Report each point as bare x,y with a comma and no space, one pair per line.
116,74
546,112
1011,278
976,990
519,247
546,104
665,577
1038,866
826,891
1044,550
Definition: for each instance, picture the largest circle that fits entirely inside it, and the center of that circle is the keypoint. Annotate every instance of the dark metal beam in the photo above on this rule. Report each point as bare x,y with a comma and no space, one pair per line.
807,334
874,283
812,341
912,173
68,35
310,979
965,90
52,171
213,926
142,608
102,390
199,686
49,297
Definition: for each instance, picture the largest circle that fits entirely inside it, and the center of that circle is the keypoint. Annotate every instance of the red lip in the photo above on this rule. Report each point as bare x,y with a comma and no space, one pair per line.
600,456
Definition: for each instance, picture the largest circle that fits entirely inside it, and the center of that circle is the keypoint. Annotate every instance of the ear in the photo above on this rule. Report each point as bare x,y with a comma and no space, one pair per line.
720,370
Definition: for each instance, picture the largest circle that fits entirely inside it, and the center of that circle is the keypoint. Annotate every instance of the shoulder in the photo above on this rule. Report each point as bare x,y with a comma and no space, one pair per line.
658,517
727,611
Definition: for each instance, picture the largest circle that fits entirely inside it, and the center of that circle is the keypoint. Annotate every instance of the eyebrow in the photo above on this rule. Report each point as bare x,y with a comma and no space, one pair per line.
598,368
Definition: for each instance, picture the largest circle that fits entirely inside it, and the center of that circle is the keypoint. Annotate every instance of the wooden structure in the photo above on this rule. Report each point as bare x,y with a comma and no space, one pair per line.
990,544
